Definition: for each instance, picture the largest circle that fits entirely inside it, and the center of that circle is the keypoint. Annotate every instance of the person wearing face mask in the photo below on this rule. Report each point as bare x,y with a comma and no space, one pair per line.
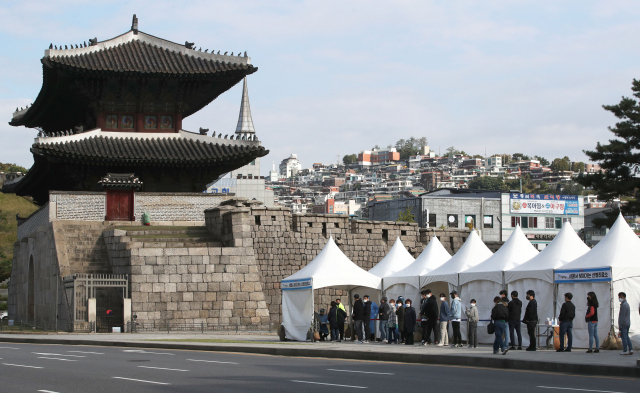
367,323
499,315
400,314
567,314
472,317
531,319
393,323
455,316
409,322
624,323
359,317
592,321
515,311
444,321
432,317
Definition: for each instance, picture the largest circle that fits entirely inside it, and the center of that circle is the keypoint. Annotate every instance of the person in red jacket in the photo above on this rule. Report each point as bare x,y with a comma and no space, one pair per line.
592,321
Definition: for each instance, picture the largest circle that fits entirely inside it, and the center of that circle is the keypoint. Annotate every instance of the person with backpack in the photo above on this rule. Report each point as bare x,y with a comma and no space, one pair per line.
499,316
592,321
383,316
336,317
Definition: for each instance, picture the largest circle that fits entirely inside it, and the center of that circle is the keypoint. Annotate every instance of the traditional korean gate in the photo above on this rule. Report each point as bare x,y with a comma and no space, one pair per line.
119,205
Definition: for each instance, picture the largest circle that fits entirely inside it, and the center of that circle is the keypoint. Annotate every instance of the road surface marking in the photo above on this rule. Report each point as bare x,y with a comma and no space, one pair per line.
363,372
20,365
210,361
331,384
93,353
162,368
153,353
580,390
8,348
57,354
66,360
142,380
47,391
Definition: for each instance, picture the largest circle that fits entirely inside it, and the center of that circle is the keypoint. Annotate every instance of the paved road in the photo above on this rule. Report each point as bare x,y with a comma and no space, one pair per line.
71,369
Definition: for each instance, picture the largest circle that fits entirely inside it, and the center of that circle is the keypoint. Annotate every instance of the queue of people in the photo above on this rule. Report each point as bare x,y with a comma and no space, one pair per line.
397,321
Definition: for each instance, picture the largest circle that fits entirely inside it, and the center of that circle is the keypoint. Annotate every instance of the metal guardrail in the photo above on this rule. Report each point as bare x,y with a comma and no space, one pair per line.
202,327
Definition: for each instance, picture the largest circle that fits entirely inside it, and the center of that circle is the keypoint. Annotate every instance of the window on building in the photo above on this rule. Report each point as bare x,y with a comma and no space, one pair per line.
432,221
385,235
533,222
524,222
558,222
549,223
515,221
452,220
488,221
252,162
470,221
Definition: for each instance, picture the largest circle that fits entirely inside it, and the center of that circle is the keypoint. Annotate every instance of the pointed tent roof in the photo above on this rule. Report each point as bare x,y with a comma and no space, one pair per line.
514,252
566,247
472,253
619,249
245,122
397,259
331,268
433,256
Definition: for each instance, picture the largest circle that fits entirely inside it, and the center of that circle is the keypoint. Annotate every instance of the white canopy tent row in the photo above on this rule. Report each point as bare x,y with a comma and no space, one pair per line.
445,278
484,281
537,273
331,268
612,266
406,282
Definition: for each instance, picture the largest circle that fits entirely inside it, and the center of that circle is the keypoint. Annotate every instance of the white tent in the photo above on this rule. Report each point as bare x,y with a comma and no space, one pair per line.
484,281
396,259
612,266
331,268
406,282
537,273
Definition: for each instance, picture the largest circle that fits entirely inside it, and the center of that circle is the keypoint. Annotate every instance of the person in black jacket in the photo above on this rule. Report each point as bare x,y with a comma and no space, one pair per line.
409,322
337,317
359,318
499,315
567,314
367,323
515,312
531,319
432,317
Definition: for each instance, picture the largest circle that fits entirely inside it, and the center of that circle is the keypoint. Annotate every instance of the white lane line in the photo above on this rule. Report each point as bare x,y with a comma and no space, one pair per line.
210,361
93,353
362,372
141,351
162,368
8,348
20,365
57,354
47,391
580,390
142,380
330,384
66,360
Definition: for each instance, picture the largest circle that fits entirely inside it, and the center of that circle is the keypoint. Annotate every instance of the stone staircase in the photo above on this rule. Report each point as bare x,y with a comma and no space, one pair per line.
170,237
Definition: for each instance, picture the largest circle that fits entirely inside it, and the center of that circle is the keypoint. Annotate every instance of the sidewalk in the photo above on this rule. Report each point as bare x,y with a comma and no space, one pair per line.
607,363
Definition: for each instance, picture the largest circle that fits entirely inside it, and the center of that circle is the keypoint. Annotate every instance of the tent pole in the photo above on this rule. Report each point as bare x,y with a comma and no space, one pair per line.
350,316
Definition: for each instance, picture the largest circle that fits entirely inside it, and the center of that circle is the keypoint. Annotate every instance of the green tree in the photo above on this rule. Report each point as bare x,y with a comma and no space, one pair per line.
543,161
406,215
12,168
487,183
561,164
478,156
349,159
453,151
570,188
619,159
577,166
410,147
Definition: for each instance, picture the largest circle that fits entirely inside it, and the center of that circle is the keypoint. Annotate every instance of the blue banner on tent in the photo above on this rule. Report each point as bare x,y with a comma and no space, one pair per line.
291,285
583,275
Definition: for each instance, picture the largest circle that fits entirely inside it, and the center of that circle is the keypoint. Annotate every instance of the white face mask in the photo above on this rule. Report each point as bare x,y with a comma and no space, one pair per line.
621,299
408,304
473,304
429,295
442,299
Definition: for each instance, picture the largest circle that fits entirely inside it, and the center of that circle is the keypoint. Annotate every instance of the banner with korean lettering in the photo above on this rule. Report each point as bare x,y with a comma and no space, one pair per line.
544,204
583,275
303,283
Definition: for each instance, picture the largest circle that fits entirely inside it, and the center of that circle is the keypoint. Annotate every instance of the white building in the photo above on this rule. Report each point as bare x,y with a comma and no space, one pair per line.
495,161
290,166
246,181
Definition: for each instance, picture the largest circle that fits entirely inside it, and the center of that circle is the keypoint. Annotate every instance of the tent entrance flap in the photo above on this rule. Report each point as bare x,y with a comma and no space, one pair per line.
297,313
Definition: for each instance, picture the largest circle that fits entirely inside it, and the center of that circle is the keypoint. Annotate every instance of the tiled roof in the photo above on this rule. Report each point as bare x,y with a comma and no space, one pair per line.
142,57
120,180
141,151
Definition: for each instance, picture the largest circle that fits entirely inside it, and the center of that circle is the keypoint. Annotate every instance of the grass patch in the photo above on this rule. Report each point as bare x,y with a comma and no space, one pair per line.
10,205
222,341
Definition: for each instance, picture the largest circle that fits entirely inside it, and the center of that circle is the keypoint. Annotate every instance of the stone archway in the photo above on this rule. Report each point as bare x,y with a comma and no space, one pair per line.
31,309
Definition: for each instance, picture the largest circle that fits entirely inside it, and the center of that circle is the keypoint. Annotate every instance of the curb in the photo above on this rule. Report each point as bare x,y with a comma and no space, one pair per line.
503,363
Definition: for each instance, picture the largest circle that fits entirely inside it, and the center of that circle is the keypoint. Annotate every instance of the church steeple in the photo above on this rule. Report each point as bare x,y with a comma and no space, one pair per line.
245,122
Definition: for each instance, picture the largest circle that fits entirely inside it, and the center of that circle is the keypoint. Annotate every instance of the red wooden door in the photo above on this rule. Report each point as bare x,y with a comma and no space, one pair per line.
119,205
